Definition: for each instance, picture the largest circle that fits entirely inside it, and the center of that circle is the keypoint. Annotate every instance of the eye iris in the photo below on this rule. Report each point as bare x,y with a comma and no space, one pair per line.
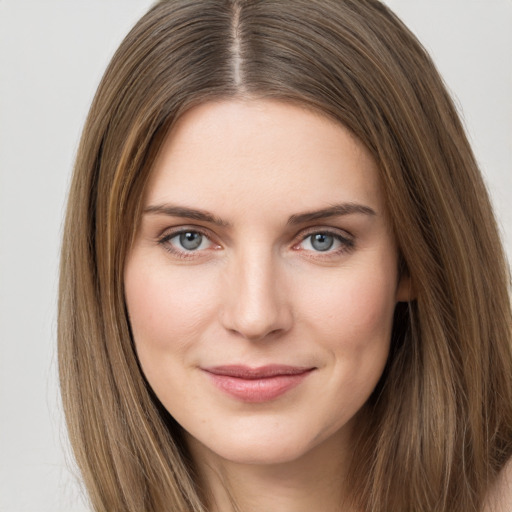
322,241
191,240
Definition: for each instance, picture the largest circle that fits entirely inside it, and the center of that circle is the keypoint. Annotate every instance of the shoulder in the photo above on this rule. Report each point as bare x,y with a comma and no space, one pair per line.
499,498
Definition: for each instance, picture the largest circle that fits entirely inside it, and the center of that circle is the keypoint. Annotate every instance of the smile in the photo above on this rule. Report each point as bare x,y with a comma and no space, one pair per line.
257,385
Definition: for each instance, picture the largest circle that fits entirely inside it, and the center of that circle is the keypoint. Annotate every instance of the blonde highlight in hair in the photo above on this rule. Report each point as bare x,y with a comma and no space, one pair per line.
438,427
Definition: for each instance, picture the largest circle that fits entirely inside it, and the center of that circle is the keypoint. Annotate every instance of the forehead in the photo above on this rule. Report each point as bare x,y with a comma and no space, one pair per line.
262,151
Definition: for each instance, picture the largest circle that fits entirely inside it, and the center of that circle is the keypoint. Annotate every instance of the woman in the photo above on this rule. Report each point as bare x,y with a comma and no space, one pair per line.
282,286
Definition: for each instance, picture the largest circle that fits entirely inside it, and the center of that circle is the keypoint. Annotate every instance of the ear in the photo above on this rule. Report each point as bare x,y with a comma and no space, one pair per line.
405,291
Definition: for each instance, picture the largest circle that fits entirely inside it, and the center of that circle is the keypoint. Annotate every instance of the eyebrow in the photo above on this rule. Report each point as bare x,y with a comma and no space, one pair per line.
331,211
300,218
186,213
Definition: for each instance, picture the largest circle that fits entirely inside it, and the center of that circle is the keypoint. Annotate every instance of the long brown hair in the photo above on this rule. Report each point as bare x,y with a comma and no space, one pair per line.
438,427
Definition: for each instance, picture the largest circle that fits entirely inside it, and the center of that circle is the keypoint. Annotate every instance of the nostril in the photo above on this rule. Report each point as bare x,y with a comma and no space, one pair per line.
269,329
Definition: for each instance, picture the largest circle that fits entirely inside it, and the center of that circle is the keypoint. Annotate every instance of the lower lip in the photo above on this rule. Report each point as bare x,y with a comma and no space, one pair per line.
258,390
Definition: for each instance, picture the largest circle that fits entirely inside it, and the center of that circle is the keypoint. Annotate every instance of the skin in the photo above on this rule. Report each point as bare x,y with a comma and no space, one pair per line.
499,498
257,291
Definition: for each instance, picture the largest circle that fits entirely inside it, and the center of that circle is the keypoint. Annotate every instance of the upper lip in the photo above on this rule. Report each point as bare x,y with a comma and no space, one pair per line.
260,372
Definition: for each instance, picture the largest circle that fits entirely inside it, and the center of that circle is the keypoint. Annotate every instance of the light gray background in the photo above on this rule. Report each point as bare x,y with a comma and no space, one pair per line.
52,55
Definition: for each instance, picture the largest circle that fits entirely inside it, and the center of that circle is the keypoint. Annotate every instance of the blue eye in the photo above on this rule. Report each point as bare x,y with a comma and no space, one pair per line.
323,241
186,241
191,240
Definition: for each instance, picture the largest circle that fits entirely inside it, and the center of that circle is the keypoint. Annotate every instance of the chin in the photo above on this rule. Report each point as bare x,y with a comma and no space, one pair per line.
262,454
266,447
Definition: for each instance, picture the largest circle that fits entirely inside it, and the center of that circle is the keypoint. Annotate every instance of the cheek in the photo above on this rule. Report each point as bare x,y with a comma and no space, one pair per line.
167,309
371,307
356,309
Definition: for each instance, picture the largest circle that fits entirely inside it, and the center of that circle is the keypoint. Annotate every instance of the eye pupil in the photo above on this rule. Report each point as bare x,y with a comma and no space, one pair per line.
191,240
322,241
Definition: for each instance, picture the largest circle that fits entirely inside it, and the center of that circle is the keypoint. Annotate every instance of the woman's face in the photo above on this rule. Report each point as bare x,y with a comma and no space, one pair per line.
263,279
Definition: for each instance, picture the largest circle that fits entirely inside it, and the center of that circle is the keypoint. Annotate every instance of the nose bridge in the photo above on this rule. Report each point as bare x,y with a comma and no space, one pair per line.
257,304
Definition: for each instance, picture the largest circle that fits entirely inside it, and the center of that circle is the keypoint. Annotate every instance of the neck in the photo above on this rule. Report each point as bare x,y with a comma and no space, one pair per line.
314,481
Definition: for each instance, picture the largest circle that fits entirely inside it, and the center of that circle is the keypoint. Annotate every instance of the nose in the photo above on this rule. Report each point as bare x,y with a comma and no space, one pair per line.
256,305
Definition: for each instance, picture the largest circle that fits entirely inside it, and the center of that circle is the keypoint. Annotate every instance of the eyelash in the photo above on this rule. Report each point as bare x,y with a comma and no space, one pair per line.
164,241
347,242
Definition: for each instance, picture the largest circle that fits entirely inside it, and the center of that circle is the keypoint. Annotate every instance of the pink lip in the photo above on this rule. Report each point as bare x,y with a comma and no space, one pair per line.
256,385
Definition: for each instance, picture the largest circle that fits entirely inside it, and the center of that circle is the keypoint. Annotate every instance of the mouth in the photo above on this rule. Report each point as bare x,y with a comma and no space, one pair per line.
257,385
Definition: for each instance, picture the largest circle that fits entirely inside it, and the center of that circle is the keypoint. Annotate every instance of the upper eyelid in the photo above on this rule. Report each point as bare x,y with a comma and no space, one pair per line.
340,238
171,232
327,230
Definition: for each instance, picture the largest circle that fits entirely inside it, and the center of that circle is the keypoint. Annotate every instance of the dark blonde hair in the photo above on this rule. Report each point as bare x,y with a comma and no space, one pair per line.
438,427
